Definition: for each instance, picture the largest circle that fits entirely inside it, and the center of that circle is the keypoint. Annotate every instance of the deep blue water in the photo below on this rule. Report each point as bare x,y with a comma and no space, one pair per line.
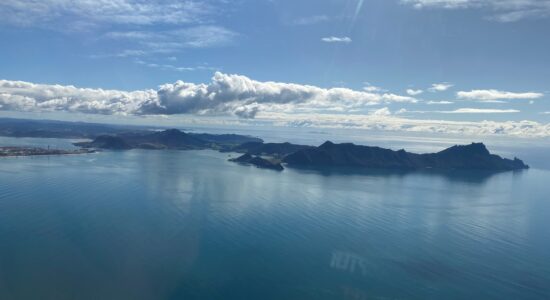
190,225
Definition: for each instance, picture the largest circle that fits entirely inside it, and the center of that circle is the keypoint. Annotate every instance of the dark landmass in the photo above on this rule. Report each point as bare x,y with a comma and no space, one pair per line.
114,137
167,139
258,162
32,151
474,157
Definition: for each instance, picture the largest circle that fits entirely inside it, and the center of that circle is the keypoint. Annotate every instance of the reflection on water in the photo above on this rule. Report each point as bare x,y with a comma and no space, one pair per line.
190,225
471,176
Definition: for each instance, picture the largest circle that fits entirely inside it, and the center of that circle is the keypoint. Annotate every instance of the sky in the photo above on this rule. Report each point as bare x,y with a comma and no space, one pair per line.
476,67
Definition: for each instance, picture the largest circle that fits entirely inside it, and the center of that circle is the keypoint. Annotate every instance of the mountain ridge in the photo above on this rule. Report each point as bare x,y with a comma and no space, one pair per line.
473,156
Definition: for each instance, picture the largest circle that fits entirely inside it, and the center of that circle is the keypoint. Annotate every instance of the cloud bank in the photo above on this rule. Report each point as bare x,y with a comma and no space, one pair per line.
285,104
225,94
390,122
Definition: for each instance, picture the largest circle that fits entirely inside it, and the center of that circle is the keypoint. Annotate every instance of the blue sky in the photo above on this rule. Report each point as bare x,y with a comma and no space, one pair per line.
411,65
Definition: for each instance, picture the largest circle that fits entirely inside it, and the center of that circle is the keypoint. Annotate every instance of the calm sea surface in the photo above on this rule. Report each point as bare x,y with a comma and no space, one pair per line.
190,225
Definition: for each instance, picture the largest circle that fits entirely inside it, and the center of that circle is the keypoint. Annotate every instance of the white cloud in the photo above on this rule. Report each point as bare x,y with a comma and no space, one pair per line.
451,4
412,92
480,111
25,96
382,112
225,94
284,104
335,39
444,102
440,87
372,88
496,95
401,111
501,10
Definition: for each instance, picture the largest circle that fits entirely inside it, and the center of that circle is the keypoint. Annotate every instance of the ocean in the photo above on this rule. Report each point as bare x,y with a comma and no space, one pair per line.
145,224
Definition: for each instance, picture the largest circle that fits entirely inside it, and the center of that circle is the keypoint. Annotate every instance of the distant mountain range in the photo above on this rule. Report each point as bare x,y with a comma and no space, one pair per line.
264,155
169,139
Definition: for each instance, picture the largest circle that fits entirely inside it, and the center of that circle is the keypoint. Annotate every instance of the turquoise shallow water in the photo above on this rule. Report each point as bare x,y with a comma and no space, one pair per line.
190,225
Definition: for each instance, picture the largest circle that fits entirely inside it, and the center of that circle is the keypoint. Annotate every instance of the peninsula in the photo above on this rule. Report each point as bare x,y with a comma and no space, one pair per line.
34,151
254,150
272,155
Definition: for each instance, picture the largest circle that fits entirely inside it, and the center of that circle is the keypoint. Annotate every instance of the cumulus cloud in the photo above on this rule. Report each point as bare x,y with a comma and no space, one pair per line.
382,112
225,94
276,103
501,10
26,96
335,39
496,95
412,92
440,87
